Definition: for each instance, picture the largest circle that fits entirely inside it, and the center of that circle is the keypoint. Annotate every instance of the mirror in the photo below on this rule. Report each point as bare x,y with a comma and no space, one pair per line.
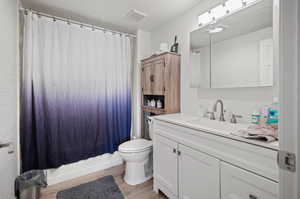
236,51
200,59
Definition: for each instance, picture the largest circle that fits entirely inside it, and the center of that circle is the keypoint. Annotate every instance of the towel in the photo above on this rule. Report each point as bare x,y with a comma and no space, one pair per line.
264,132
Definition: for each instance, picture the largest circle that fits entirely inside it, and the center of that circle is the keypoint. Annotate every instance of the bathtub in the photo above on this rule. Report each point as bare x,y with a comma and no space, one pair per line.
81,168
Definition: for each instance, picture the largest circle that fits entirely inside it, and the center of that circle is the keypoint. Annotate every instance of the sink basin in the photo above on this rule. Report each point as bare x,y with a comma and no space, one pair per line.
216,126
204,124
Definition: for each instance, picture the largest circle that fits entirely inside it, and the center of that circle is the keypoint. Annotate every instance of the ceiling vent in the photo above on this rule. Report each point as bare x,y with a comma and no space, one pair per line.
135,16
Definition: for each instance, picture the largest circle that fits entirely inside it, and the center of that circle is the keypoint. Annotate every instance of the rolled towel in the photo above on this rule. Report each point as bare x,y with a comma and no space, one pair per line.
263,132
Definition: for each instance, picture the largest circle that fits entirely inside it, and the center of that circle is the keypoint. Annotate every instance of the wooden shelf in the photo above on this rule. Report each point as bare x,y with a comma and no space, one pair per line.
153,110
160,80
159,55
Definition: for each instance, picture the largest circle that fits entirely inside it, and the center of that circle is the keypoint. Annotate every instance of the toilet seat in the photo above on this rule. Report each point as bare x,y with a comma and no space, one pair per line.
134,146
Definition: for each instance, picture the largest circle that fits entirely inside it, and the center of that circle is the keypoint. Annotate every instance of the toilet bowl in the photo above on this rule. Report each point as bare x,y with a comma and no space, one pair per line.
137,155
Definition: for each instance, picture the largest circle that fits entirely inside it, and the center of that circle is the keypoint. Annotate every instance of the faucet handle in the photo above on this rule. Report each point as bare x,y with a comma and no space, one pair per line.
211,115
234,118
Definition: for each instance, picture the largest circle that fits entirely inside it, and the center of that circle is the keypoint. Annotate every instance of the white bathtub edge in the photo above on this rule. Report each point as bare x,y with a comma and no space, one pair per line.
82,168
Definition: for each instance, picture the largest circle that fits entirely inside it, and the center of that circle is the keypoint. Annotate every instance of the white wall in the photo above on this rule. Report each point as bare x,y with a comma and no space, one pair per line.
8,92
143,50
239,100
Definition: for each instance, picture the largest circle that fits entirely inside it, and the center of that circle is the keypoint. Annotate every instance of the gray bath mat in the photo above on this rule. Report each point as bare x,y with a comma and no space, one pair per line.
103,188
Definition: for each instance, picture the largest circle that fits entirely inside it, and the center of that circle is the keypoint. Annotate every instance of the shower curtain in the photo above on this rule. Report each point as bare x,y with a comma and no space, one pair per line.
75,93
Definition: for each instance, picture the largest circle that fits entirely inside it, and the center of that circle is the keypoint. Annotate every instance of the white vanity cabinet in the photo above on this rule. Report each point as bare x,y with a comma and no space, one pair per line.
198,175
166,171
185,173
193,164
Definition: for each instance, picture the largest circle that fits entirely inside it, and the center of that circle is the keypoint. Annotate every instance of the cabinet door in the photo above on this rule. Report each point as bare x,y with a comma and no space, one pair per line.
165,158
146,79
237,183
199,176
157,77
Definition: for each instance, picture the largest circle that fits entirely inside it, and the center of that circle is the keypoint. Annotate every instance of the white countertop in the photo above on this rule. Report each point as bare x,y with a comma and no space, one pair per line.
224,129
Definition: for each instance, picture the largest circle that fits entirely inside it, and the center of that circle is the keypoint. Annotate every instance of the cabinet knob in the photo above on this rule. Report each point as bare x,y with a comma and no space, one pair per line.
174,150
152,78
178,153
252,197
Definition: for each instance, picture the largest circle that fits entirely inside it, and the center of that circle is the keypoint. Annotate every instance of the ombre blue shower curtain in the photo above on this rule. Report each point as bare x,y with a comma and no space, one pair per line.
75,93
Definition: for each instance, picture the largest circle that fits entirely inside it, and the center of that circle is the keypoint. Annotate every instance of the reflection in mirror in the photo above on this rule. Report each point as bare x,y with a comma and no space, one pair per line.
236,50
200,59
242,54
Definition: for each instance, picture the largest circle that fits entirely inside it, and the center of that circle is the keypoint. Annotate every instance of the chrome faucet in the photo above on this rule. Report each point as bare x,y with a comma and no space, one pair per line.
222,118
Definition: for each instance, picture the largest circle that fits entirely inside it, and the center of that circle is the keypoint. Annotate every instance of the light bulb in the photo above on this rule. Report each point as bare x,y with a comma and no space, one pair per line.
218,12
233,5
247,2
205,18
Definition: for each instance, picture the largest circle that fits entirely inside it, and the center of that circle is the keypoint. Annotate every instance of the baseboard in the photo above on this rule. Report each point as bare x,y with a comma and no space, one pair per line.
82,168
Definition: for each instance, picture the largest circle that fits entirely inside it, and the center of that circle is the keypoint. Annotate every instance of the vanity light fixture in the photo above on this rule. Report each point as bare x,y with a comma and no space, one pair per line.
222,10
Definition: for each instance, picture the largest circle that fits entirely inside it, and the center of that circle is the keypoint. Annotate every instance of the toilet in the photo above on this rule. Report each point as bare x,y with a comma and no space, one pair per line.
137,154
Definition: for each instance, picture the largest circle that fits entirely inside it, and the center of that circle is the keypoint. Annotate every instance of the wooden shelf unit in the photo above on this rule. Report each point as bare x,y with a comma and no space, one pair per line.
156,111
160,79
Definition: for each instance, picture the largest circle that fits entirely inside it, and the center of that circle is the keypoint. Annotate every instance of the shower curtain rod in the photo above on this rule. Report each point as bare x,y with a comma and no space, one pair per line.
69,21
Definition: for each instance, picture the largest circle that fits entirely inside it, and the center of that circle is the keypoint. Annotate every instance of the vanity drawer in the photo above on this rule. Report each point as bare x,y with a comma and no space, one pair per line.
237,183
257,159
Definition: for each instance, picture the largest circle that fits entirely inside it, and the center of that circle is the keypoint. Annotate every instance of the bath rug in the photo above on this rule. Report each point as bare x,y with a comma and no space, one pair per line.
103,188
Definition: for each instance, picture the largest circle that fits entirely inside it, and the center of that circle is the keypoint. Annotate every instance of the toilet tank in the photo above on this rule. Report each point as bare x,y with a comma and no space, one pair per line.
150,127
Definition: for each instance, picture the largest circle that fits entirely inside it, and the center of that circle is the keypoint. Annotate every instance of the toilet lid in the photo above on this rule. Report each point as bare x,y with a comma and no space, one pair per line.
135,145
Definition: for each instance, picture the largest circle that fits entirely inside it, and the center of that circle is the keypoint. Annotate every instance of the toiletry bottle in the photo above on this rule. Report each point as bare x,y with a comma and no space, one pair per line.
273,114
158,104
174,47
264,114
153,103
256,117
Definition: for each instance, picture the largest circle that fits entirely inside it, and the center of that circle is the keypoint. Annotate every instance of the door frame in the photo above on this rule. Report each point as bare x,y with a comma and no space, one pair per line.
289,94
